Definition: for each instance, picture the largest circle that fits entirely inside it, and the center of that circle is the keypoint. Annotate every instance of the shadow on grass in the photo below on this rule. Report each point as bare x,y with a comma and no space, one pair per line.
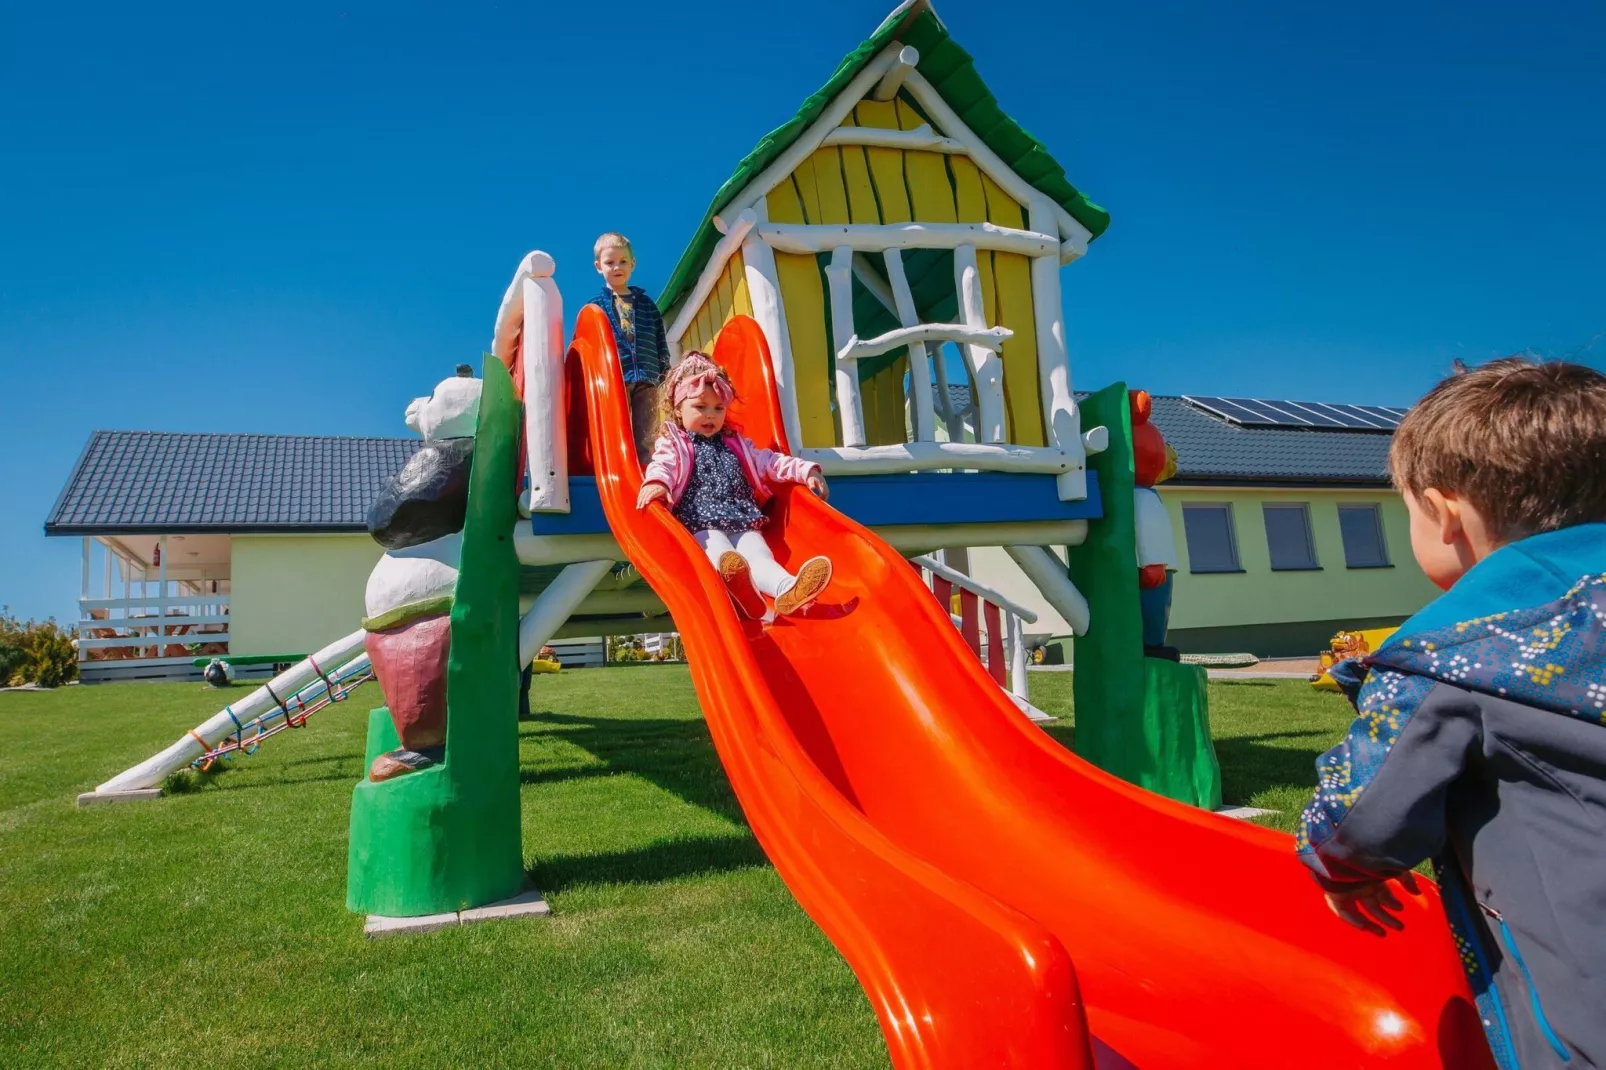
676,755
1251,764
684,857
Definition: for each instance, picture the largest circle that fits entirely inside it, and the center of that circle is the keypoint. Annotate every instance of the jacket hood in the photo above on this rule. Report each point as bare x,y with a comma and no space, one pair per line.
1549,652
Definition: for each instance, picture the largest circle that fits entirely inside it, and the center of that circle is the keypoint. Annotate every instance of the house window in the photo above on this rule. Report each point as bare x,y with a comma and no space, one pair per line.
1211,545
1362,528
1288,537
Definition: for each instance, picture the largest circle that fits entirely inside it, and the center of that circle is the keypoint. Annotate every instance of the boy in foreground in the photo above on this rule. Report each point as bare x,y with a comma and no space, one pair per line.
638,332
1481,736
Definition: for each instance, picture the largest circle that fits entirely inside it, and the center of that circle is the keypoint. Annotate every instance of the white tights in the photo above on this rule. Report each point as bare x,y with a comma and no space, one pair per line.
768,576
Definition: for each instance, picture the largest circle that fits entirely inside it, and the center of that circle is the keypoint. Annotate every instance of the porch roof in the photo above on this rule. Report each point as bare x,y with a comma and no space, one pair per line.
157,482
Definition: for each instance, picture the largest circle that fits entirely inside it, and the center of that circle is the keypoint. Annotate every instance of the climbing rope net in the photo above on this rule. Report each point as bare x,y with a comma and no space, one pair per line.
290,711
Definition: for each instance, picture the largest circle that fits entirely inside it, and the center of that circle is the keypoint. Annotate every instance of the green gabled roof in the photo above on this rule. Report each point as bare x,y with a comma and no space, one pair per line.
949,69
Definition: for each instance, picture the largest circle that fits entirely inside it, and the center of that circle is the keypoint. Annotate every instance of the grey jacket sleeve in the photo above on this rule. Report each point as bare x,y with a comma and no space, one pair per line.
1379,807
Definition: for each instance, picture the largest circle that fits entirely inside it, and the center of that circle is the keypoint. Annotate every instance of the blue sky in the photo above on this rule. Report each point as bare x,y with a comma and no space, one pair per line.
295,217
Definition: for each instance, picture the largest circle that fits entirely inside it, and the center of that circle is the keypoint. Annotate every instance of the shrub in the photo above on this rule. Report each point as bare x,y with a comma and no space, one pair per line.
35,652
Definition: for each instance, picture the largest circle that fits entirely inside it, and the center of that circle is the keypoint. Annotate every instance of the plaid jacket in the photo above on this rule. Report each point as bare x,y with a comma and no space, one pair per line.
645,359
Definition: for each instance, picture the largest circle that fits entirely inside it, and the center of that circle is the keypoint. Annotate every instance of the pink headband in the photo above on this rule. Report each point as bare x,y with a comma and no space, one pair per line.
697,373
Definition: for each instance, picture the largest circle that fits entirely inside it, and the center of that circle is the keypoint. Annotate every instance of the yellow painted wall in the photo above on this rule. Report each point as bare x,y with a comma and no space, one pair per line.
1332,592
292,594
728,298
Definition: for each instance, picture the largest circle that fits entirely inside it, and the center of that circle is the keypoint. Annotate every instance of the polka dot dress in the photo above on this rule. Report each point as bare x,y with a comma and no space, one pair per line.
717,495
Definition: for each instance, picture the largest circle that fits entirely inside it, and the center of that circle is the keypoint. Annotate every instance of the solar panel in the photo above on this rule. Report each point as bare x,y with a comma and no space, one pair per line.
1314,412
1312,415
1351,416
1388,416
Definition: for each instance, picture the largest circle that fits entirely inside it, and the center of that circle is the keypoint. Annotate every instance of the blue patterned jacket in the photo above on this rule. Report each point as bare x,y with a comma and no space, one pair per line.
646,359
1481,744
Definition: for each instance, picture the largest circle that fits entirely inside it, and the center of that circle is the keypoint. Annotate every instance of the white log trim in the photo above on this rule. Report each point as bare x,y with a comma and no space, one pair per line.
949,122
990,338
892,81
1061,420
910,539
1017,659
783,165
922,137
1096,439
924,416
878,237
713,270
510,313
964,582
1048,573
923,456
556,604
545,414
986,369
865,270
764,291
849,406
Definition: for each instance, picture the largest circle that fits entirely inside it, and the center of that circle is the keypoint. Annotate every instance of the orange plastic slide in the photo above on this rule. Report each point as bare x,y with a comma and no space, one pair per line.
961,860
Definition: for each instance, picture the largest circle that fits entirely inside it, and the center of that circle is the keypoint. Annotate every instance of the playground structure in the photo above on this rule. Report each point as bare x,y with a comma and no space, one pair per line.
1001,900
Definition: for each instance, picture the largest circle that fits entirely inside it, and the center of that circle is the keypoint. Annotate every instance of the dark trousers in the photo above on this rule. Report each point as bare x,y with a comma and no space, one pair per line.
643,418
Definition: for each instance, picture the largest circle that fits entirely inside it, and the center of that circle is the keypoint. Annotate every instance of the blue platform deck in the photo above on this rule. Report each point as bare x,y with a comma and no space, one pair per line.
889,501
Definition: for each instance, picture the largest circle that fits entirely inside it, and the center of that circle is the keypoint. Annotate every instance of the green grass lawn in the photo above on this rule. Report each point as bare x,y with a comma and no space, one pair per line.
210,926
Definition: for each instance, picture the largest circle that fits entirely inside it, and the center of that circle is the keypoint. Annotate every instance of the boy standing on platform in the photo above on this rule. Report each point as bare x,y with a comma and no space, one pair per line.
638,331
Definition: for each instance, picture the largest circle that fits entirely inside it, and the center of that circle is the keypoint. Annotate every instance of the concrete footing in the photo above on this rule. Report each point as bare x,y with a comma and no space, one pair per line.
527,904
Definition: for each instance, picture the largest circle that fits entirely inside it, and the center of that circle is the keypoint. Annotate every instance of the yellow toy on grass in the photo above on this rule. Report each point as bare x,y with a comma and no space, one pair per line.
546,661
1347,645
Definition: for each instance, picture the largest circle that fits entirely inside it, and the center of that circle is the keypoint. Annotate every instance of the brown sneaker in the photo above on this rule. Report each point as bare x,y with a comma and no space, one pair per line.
739,582
812,578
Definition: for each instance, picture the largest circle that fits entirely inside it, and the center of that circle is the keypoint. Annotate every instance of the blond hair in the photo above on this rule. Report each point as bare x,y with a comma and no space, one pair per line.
1523,441
611,240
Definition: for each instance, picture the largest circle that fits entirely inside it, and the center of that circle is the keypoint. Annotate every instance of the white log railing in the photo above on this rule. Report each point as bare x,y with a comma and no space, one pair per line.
992,626
992,338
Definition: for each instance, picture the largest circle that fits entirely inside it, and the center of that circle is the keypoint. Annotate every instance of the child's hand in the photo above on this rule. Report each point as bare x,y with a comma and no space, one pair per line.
817,485
1377,898
651,492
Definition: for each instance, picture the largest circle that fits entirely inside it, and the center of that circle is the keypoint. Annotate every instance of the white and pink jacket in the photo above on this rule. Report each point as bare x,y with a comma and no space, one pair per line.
671,464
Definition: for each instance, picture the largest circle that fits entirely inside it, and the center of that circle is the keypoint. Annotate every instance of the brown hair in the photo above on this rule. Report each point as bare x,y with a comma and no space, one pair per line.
1523,441
685,367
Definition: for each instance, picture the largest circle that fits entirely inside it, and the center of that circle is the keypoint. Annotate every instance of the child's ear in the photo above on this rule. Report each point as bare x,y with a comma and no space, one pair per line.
1446,509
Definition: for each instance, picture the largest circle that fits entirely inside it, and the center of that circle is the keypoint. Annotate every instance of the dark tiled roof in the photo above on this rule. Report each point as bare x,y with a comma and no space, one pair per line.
156,482
1210,450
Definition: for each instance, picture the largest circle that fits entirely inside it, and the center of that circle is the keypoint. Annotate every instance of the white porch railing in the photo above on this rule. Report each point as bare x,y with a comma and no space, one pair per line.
991,625
176,626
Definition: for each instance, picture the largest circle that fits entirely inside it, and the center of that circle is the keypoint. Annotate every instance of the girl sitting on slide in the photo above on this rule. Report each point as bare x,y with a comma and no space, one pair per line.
714,480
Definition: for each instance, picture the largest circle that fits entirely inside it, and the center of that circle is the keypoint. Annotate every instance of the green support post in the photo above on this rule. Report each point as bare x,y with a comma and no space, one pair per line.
1144,719
447,838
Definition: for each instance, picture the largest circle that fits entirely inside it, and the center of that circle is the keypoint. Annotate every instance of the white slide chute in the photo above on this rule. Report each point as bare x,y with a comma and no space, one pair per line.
307,681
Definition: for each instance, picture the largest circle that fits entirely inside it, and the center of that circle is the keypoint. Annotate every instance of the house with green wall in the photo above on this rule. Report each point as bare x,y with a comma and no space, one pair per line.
1288,530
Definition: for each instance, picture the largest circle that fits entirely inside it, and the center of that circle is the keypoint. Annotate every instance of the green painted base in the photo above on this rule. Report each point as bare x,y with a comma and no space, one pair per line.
421,844
1181,761
382,737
